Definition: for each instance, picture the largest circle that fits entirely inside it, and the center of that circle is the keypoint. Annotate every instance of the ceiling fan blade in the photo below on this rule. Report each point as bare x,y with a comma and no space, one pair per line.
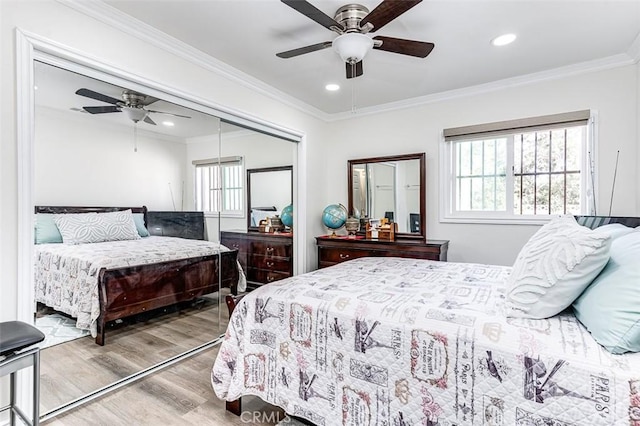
303,50
101,109
418,49
168,113
98,96
386,12
312,12
148,120
354,70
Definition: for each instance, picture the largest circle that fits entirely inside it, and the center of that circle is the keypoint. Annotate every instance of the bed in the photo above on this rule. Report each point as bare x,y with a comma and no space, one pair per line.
396,341
105,281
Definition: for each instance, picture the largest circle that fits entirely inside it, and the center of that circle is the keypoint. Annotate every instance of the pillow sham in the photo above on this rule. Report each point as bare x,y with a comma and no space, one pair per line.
554,267
46,230
610,307
615,230
78,228
138,218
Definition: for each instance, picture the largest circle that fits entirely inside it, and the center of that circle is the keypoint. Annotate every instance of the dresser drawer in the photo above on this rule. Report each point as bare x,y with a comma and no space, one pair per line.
337,255
271,249
235,244
271,263
265,277
336,250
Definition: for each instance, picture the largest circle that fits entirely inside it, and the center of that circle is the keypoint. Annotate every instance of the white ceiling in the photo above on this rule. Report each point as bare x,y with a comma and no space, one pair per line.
247,34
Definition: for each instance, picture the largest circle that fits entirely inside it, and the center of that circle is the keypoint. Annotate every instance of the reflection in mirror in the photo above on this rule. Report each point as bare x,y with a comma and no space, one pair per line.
263,256
269,191
115,154
390,187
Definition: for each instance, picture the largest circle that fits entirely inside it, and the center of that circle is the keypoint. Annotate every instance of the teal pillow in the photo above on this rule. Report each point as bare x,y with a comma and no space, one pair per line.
46,229
610,307
138,219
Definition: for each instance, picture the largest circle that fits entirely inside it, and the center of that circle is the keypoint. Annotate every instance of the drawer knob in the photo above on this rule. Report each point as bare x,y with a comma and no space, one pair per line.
344,256
270,278
269,249
270,264
236,246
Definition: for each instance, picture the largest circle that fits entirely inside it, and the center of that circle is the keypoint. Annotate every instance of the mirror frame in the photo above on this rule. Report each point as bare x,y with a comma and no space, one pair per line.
423,174
251,172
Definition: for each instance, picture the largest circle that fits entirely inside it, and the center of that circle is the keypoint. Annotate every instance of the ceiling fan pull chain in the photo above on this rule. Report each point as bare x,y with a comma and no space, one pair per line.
135,137
353,88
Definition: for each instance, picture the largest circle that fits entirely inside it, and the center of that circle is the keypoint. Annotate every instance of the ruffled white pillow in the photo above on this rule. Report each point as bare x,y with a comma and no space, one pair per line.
554,267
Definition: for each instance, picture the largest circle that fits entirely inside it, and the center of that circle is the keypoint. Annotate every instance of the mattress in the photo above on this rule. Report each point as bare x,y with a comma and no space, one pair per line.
66,275
389,341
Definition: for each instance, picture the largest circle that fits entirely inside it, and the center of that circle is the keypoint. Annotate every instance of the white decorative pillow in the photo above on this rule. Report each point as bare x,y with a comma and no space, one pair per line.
554,267
96,227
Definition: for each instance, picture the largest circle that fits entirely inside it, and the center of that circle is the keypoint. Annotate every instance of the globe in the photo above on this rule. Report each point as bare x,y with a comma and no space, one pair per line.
287,216
334,216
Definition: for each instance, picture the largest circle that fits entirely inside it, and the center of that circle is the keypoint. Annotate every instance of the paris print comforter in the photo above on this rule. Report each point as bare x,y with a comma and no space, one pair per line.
389,341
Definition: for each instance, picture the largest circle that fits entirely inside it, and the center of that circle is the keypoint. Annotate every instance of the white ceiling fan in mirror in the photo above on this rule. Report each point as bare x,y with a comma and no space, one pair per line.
133,104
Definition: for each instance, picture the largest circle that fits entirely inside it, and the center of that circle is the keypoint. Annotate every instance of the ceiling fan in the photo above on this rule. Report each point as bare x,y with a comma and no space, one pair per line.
132,104
353,22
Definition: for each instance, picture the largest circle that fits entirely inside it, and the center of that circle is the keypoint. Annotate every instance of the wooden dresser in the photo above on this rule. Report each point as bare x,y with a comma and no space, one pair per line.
337,250
264,257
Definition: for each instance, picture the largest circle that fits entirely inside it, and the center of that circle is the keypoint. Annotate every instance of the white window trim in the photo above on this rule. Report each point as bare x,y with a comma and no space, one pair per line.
446,179
231,214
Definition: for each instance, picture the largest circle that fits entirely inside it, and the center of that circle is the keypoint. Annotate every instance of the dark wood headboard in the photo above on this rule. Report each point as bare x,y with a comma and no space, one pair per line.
597,221
188,225
80,209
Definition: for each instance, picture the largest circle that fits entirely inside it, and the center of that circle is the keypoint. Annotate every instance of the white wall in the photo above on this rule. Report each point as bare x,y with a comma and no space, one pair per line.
74,30
613,93
81,160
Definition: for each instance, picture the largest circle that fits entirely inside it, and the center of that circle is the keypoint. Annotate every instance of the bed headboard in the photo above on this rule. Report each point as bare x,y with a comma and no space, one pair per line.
80,209
596,221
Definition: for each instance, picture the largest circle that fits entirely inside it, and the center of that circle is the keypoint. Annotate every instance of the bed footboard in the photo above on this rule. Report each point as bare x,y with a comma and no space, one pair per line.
128,291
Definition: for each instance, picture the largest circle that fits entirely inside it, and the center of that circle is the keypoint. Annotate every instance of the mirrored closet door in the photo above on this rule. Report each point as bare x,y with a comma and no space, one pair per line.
106,147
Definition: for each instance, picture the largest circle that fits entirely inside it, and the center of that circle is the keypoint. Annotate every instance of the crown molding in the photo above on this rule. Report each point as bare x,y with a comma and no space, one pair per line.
587,67
138,29
115,18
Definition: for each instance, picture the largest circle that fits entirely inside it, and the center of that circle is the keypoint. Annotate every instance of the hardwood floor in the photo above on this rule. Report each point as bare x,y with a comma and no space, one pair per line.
73,369
179,395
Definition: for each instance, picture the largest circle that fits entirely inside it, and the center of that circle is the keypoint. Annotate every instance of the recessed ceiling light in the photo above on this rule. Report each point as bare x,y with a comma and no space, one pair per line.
503,40
35,87
168,123
332,87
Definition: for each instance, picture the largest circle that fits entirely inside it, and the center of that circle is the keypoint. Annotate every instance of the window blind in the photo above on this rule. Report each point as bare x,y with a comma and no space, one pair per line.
499,128
215,161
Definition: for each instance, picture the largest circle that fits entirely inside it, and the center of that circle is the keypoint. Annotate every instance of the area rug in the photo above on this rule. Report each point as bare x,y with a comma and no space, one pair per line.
58,329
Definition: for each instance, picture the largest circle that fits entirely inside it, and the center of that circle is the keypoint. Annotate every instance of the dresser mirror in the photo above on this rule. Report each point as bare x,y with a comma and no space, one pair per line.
269,190
391,187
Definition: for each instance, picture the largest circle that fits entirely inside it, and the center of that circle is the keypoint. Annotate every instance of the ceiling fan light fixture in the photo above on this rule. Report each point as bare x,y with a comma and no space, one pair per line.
352,47
332,87
135,114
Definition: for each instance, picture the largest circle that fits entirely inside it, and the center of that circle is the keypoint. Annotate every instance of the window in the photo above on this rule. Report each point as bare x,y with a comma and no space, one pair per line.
520,171
219,186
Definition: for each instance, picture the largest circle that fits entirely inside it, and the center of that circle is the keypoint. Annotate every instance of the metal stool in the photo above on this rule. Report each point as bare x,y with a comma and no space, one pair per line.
14,337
